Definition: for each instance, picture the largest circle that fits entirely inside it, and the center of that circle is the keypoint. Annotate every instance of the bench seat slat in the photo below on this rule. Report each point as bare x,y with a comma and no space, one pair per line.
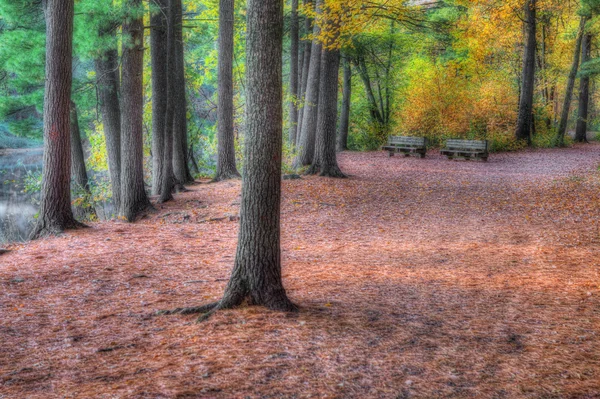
466,149
406,145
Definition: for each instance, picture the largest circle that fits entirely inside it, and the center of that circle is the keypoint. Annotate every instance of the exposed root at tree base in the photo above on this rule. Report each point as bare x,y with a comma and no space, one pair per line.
226,176
45,229
206,311
334,172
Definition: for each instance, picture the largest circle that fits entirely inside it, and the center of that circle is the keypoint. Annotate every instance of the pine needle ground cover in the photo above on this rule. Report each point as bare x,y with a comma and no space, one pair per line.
416,278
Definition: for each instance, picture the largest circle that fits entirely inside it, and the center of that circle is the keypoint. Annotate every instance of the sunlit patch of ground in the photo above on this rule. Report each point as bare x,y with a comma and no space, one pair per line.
416,279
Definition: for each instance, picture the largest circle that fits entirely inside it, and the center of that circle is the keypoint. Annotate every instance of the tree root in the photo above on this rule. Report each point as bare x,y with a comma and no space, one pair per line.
228,175
206,311
45,229
190,310
334,172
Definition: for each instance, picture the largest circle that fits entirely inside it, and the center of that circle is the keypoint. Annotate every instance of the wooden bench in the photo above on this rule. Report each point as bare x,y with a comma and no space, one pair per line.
406,145
467,149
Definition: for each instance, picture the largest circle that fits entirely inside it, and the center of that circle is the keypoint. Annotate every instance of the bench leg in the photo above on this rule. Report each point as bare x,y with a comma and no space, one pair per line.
422,155
390,154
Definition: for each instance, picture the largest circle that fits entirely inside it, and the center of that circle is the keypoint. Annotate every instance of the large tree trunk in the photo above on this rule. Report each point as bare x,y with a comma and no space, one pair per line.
306,143
158,51
55,206
168,179
325,159
133,192
226,168
524,121
564,119
294,38
107,76
180,165
79,174
306,56
342,139
256,273
584,93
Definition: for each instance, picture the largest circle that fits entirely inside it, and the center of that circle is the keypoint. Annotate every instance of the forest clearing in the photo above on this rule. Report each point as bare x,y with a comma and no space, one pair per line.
414,277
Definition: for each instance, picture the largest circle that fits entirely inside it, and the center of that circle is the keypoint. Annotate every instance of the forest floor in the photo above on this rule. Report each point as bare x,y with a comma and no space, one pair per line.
416,278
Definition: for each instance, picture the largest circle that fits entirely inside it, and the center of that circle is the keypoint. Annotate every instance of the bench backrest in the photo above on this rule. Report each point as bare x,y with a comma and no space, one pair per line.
407,141
481,145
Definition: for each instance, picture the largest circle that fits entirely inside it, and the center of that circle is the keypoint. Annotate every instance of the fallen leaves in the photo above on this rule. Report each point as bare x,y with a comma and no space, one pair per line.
416,278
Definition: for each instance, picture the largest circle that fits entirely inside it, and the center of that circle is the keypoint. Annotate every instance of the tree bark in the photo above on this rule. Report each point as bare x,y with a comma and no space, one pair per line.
168,178
226,168
55,206
79,174
306,144
133,192
307,45
108,80
158,51
325,158
181,169
564,119
523,129
257,270
342,139
256,274
294,38
584,93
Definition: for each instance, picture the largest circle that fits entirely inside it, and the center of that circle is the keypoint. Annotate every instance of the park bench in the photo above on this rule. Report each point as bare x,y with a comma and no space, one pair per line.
467,149
406,145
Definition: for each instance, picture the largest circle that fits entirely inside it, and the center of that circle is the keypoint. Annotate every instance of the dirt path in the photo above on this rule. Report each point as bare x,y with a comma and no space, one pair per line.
416,278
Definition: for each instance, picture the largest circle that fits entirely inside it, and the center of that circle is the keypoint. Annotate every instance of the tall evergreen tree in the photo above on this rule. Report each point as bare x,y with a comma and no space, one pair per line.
79,175
226,168
525,119
158,52
294,42
181,169
133,191
306,142
168,178
303,73
584,92
256,273
55,205
342,139
564,119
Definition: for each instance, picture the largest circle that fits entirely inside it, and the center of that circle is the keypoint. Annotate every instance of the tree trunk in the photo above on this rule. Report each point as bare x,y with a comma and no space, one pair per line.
226,168
55,206
325,159
180,165
342,140
306,144
564,119
256,274
257,270
158,51
168,179
523,130
79,174
584,93
294,37
107,76
307,45
133,192
376,116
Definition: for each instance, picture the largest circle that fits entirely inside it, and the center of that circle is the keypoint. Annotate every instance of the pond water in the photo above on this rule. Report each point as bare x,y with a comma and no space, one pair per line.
17,208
